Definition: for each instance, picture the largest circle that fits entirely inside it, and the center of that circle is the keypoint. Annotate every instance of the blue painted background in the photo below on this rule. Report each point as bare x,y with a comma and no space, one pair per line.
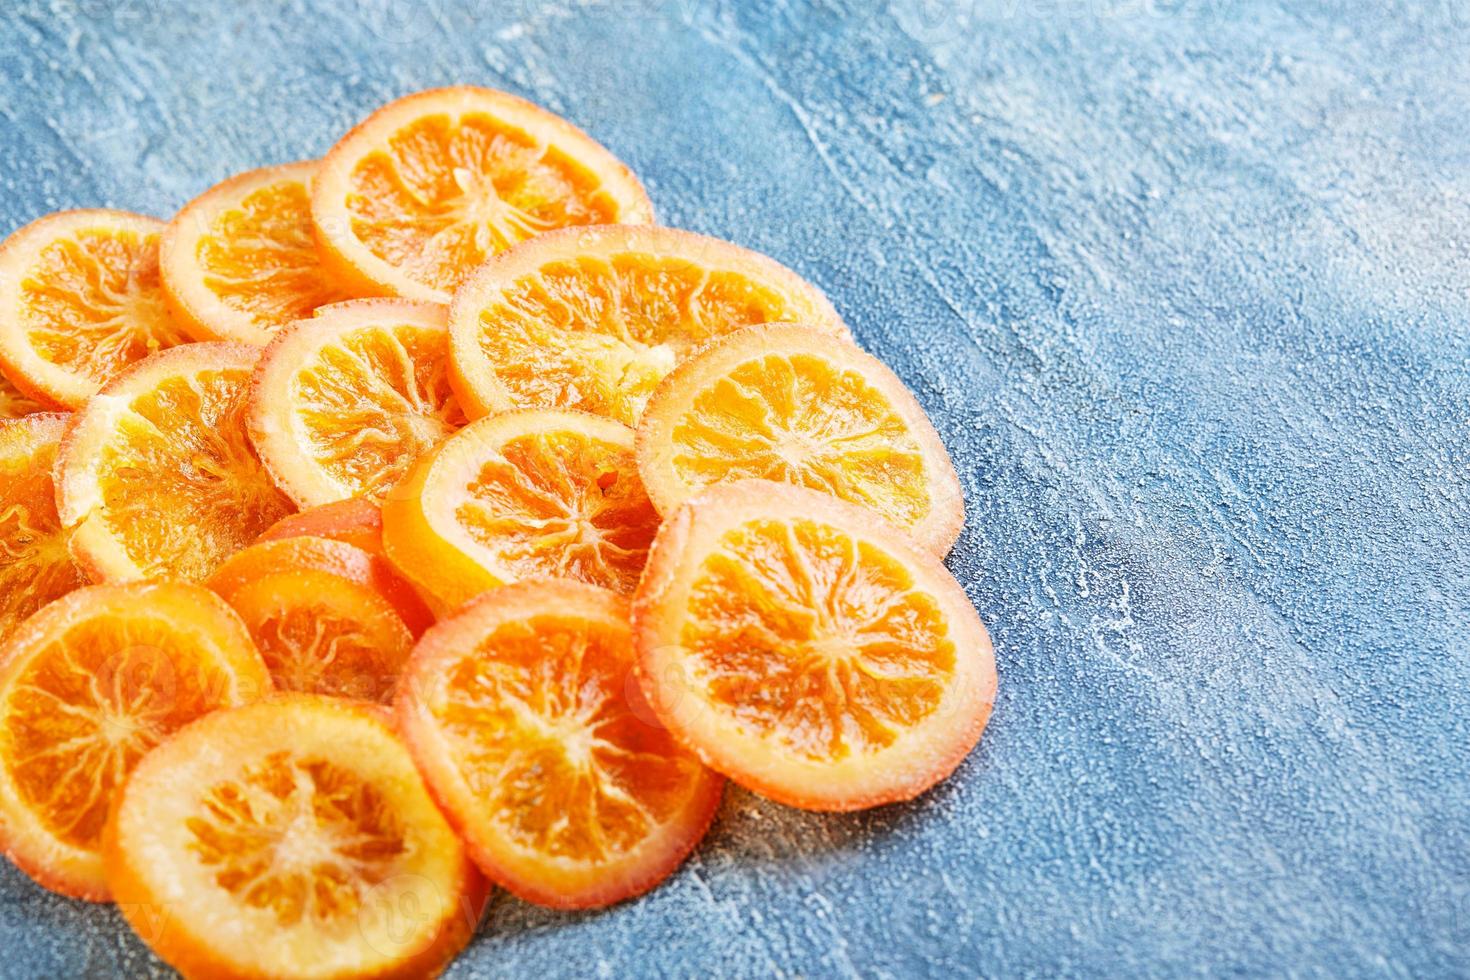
1185,285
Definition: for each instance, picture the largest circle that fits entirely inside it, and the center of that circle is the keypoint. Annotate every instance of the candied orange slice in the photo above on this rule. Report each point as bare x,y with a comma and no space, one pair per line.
157,475
356,521
522,495
240,262
328,617
593,318
344,402
518,712
808,650
80,300
35,565
15,403
87,686
795,405
431,185
290,838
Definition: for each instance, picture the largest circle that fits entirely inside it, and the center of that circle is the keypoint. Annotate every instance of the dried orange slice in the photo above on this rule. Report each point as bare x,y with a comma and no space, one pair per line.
344,402
522,495
35,565
593,318
518,712
240,262
15,404
80,300
328,617
290,838
783,402
157,475
431,185
809,650
87,686
356,521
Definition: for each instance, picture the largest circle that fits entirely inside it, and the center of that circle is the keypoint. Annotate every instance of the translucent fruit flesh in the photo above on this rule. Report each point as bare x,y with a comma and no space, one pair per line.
809,651
446,195
35,564
793,405
327,617
430,186
523,495
87,687
240,262
519,711
291,838
81,295
593,320
162,478
345,402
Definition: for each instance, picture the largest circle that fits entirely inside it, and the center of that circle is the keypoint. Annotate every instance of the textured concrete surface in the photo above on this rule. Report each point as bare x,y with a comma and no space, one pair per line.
1185,285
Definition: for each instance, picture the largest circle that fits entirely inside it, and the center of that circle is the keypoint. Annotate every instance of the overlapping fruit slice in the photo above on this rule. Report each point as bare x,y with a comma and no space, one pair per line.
15,404
342,403
157,474
240,262
593,318
328,617
808,650
356,521
290,838
522,495
431,185
524,716
89,685
795,405
80,300
35,565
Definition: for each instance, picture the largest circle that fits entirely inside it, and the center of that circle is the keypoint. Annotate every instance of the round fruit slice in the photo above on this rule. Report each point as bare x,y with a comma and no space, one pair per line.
240,262
522,495
518,713
356,521
35,565
80,300
786,403
808,650
344,402
593,318
290,839
157,474
431,185
87,686
328,617
16,404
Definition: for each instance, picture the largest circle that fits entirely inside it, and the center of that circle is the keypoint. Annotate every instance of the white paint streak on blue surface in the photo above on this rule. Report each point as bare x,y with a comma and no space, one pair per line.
1185,285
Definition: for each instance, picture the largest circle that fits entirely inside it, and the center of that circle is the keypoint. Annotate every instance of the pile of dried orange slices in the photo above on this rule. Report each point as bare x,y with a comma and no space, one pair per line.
425,516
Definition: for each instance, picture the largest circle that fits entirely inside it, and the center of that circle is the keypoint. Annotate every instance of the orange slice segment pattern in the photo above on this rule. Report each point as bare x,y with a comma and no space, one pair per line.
327,617
593,319
809,652
522,495
240,261
158,476
291,838
794,405
35,564
430,186
81,300
87,687
343,403
518,710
